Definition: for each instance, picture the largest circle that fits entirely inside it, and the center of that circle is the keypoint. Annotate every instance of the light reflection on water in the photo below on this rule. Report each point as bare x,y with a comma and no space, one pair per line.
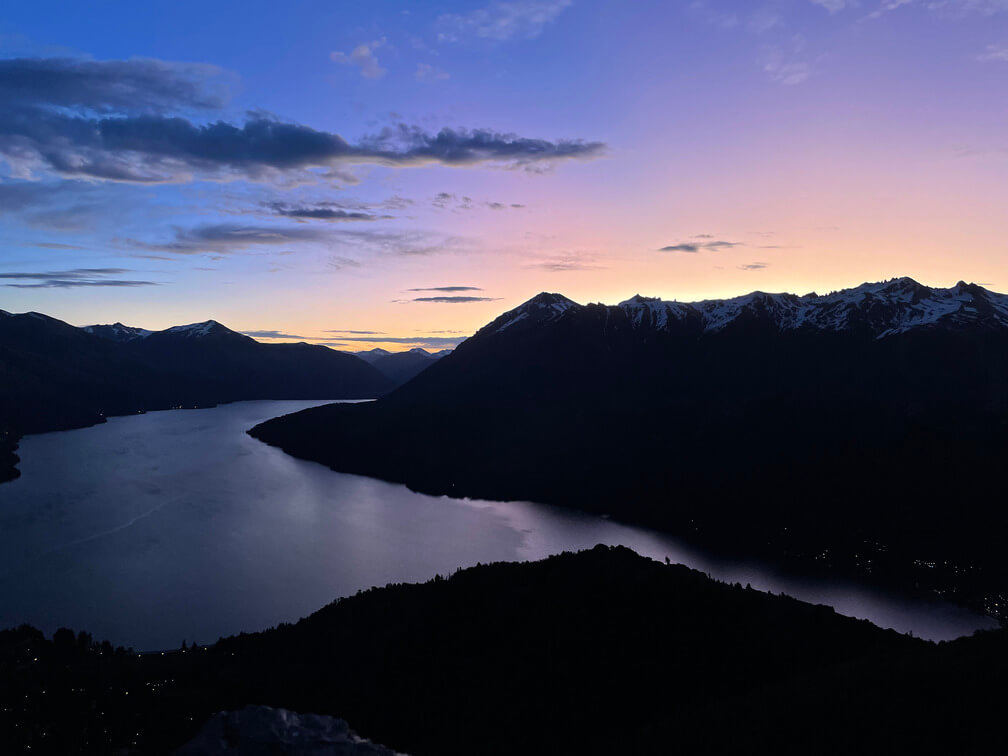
170,526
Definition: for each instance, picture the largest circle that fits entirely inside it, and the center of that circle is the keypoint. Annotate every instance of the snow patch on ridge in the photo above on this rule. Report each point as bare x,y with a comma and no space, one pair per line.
195,330
119,331
542,308
886,308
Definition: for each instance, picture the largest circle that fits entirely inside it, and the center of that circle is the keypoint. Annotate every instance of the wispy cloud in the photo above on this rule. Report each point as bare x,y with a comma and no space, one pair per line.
434,341
350,339
754,266
764,19
998,51
53,245
694,247
949,7
70,279
785,70
452,300
447,200
398,243
336,262
833,6
564,263
223,238
363,57
427,72
501,21
273,335
442,199
448,289
714,16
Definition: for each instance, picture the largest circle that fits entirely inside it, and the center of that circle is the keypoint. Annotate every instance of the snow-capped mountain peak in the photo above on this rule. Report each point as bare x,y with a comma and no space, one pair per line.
370,355
882,309
542,308
197,330
117,332
652,312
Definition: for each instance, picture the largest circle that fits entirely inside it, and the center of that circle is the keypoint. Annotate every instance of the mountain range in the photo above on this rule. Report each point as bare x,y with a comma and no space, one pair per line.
56,376
400,367
864,430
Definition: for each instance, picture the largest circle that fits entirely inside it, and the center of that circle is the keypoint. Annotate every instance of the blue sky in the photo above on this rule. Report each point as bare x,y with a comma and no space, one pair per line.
302,168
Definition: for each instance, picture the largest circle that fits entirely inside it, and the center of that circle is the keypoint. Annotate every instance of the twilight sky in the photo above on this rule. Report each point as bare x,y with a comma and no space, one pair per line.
398,173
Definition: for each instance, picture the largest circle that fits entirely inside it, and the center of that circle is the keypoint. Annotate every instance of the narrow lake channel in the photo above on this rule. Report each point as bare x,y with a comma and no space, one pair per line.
170,526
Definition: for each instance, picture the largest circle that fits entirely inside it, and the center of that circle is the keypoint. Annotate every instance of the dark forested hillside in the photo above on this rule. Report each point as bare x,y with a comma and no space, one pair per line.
873,446
600,652
54,376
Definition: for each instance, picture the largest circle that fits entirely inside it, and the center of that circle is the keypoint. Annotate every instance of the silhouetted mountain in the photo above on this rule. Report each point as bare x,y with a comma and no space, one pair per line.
370,355
55,376
600,652
864,430
400,367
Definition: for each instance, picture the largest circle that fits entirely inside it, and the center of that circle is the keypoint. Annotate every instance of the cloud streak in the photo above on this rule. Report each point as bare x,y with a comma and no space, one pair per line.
129,121
453,300
699,246
443,341
565,263
71,279
997,52
833,6
427,72
273,335
223,238
406,243
448,289
502,21
322,211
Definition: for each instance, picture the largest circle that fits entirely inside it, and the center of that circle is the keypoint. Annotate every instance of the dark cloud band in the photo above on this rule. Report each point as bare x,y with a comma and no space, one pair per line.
222,238
695,247
323,212
128,121
70,279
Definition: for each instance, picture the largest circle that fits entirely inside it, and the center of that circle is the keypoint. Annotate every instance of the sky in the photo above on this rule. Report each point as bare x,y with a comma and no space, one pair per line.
397,174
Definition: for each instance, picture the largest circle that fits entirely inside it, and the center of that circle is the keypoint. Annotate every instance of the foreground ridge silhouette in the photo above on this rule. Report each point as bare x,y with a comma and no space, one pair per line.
574,653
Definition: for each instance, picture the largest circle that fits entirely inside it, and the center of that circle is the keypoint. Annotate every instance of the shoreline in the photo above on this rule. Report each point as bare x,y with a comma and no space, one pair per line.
902,576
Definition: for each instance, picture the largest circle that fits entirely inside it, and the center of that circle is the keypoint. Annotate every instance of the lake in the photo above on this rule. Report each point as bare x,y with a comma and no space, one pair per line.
153,529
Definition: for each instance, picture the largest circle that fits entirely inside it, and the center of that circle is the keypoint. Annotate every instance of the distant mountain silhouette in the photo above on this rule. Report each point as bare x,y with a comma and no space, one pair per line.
370,355
400,367
864,430
55,376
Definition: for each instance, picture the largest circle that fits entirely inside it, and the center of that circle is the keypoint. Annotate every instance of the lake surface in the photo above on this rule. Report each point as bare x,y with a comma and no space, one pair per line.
170,526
